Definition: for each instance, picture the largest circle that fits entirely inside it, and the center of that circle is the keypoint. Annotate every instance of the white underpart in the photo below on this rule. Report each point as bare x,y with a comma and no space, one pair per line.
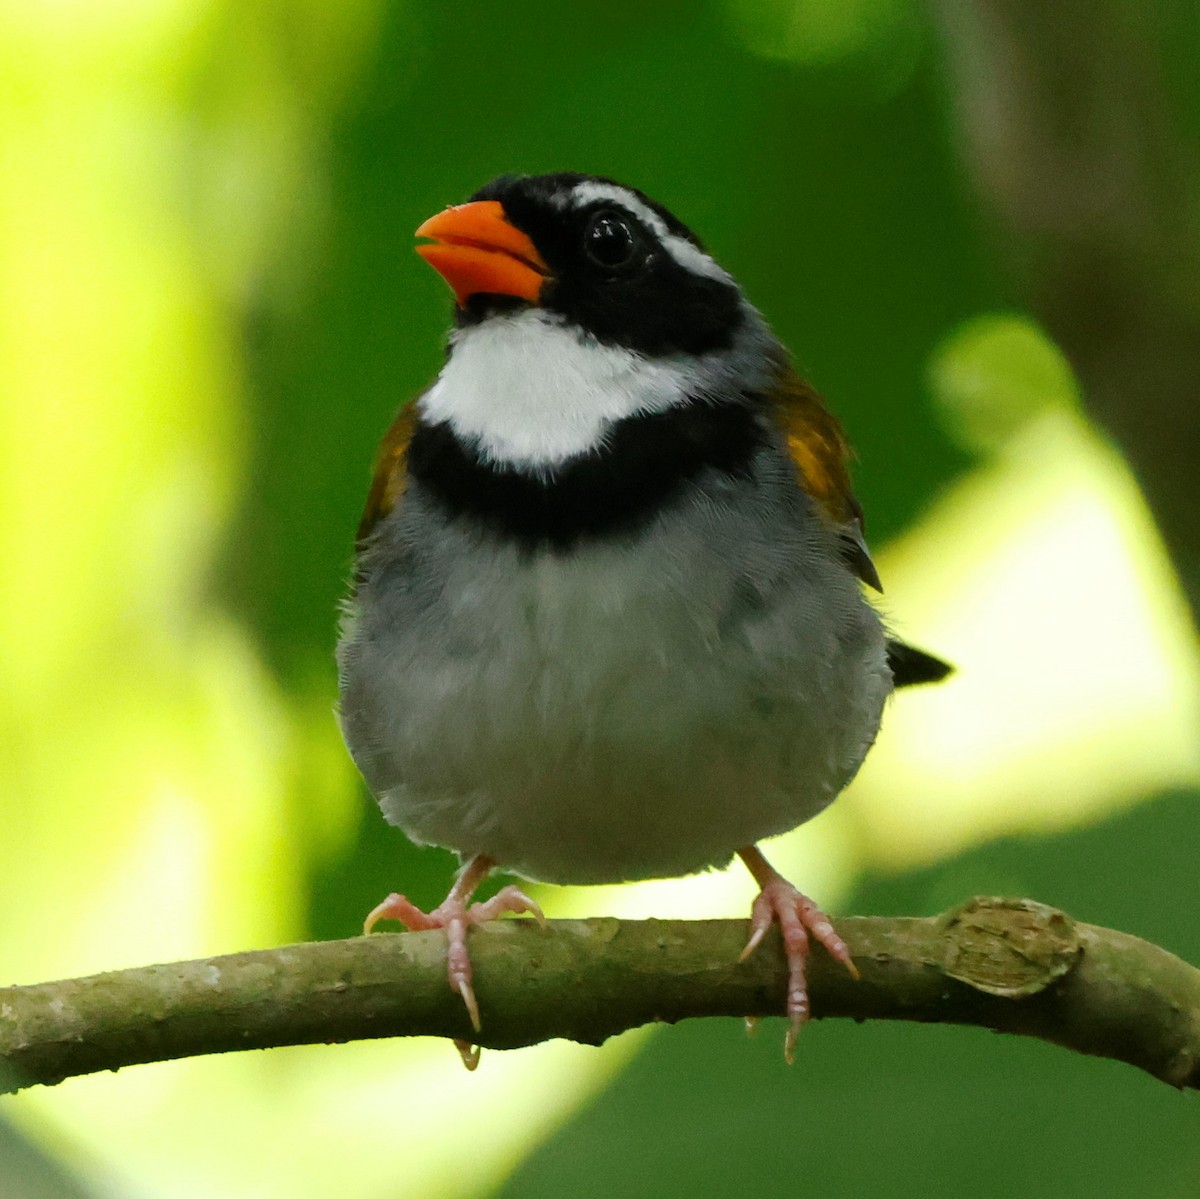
688,256
534,392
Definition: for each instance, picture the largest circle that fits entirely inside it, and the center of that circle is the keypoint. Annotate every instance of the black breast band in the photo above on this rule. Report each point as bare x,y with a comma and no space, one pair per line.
644,463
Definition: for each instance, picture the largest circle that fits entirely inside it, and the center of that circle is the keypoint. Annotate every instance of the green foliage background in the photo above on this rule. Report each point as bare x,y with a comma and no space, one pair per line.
292,149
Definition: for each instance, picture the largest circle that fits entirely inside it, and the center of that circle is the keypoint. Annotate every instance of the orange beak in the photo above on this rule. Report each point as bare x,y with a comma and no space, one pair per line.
475,250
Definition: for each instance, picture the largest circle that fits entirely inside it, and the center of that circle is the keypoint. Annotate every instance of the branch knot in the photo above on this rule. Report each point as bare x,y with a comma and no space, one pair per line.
1009,947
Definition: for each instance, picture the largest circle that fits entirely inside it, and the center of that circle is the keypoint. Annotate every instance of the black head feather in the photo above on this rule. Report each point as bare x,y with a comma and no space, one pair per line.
613,273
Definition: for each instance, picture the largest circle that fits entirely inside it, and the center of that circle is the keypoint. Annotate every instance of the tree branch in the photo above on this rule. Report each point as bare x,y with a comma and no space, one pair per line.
1008,964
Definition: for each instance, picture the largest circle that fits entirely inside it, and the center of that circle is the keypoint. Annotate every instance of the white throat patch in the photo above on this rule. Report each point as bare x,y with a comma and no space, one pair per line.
534,392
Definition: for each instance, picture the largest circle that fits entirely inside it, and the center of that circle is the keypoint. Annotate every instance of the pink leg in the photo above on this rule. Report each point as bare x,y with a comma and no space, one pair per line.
797,916
456,914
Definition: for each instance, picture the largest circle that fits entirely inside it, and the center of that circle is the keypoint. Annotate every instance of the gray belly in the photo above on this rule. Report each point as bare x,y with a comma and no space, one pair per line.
622,711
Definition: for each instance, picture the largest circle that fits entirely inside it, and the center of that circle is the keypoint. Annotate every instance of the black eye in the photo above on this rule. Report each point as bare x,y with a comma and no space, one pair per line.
609,241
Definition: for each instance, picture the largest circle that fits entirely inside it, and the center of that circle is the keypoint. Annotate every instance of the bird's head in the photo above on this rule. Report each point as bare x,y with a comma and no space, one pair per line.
580,303
590,253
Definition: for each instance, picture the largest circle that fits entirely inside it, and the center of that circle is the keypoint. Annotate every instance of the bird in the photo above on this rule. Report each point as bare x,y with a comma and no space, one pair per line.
609,616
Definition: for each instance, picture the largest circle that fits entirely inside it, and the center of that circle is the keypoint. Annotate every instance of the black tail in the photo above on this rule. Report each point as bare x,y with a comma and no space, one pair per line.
911,666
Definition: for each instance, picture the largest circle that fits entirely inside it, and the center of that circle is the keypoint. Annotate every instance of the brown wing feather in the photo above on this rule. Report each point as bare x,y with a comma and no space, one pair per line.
821,451
391,472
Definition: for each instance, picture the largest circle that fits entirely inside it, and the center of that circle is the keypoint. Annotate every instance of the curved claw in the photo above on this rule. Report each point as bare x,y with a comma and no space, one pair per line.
456,916
507,899
755,941
399,907
797,916
472,1004
469,1054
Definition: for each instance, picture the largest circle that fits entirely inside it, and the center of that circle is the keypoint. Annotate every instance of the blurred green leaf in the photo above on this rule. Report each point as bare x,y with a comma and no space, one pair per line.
995,372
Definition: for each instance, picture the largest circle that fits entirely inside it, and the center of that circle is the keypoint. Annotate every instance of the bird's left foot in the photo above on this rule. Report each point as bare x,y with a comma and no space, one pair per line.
797,916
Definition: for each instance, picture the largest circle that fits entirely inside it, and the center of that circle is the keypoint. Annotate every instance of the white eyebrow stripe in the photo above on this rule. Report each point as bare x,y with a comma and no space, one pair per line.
693,259
591,191
688,256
